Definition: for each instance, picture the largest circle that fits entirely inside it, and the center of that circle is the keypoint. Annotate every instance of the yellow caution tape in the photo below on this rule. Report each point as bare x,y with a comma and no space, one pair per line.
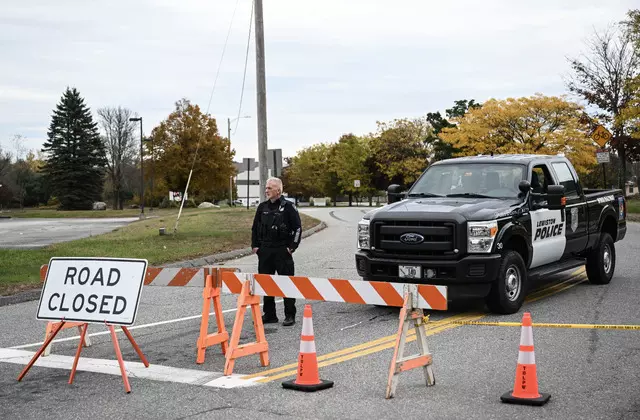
548,325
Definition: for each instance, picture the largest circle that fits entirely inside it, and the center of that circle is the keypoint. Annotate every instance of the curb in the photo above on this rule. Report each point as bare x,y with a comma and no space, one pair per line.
231,255
198,262
20,297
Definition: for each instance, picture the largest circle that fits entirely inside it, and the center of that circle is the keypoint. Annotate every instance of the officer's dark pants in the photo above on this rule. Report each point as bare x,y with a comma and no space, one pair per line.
270,261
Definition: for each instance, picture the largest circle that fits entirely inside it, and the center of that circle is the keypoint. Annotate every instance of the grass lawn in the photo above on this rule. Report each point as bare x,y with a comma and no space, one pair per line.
200,232
633,206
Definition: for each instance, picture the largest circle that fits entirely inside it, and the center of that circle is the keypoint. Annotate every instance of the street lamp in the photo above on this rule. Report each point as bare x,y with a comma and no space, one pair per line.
141,169
229,121
153,169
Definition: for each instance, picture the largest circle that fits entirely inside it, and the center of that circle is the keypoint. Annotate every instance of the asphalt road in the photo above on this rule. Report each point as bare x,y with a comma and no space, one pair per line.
590,373
37,233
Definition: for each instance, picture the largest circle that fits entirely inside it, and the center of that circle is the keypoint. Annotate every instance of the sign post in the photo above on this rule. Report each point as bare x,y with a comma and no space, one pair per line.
602,136
602,156
92,290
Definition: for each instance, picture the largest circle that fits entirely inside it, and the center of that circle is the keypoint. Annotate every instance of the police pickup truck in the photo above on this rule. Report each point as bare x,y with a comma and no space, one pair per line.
489,226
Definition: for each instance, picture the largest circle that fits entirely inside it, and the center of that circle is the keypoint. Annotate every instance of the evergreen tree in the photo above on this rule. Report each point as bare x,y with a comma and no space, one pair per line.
75,161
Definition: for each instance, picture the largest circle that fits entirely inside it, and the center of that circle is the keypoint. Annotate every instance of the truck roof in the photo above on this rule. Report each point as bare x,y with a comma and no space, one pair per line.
515,158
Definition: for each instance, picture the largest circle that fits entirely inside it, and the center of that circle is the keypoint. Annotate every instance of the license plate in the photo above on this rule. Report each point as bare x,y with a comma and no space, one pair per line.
410,271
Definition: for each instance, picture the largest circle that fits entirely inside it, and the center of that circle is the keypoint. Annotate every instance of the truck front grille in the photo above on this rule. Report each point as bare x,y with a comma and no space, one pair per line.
439,238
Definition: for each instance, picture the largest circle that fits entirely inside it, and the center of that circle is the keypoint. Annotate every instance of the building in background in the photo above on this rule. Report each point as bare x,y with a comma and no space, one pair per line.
248,174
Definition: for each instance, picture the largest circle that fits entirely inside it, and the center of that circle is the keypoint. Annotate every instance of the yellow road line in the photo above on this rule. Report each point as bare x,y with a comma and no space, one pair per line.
384,343
574,280
551,325
430,325
381,347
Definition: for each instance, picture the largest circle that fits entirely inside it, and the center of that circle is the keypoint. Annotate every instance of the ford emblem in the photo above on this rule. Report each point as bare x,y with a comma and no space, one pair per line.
411,238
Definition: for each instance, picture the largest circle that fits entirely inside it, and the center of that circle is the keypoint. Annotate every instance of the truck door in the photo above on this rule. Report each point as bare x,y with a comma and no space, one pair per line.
547,226
575,211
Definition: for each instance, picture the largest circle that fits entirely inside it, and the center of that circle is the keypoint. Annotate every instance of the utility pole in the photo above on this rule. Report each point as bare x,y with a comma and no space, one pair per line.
261,98
141,168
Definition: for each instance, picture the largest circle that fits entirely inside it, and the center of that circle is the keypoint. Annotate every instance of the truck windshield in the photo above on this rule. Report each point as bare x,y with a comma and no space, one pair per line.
492,180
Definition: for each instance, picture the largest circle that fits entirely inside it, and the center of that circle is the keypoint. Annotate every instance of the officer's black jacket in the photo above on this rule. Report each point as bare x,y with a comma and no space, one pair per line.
276,224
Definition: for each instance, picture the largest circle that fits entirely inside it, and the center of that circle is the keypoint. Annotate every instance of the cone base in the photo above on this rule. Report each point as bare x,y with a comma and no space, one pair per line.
307,388
508,398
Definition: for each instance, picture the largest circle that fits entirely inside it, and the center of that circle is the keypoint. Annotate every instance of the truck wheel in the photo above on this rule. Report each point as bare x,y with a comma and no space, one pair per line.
508,291
601,261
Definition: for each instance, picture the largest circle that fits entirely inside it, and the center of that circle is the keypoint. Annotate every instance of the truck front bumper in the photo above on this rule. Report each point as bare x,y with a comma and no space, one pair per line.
468,277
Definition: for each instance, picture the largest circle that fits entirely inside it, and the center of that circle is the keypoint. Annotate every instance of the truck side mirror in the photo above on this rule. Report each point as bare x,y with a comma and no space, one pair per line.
555,197
394,193
524,186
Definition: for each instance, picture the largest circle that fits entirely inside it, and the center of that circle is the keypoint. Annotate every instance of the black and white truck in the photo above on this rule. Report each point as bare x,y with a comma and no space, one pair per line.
488,226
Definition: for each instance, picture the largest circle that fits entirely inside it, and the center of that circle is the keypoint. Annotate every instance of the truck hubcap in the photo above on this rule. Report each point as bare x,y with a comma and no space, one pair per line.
513,283
607,259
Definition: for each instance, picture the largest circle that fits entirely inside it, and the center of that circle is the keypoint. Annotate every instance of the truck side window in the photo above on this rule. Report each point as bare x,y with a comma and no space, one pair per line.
540,179
566,178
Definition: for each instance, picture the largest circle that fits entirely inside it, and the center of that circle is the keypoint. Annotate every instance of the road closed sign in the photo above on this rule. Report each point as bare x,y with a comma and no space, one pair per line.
93,290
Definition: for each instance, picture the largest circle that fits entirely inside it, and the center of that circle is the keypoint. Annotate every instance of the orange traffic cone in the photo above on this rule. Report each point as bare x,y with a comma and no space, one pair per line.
525,388
308,377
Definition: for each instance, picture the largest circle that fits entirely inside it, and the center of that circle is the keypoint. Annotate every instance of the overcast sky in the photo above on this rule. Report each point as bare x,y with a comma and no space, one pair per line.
333,66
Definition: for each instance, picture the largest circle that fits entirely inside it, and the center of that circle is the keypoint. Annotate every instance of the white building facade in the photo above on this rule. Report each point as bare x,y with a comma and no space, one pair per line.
250,178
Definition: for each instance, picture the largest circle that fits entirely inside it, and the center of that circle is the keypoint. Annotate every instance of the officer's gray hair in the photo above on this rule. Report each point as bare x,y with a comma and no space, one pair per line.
276,181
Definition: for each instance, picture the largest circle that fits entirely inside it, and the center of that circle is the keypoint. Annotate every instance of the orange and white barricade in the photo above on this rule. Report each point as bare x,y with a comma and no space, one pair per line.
340,290
174,277
413,299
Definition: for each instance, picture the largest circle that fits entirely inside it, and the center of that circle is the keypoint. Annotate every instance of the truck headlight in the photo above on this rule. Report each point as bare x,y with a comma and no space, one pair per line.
363,234
480,236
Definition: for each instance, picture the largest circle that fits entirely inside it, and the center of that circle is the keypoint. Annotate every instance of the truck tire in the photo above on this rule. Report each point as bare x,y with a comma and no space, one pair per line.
508,291
601,261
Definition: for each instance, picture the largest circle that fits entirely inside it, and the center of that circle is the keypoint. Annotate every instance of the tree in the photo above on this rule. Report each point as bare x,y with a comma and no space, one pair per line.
175,142
538,124
443,150
400,151
22,173
5,167
5,163
120,147
631,114
606,79
348,161
75,154
310,173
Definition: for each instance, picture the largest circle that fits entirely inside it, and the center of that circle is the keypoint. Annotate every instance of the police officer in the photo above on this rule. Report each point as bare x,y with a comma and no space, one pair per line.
276,234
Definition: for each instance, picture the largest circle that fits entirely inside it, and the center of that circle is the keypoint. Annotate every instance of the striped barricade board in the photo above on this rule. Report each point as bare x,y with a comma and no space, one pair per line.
177,276
339,290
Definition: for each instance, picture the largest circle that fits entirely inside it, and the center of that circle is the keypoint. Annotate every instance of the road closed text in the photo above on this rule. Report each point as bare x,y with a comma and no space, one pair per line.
93,291
89,303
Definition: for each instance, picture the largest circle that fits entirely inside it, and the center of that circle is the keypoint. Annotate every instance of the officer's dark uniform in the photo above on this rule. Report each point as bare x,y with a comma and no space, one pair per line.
276,227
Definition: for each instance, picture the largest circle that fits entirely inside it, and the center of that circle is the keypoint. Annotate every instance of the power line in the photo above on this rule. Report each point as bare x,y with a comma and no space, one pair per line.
222,56
246,60
195,156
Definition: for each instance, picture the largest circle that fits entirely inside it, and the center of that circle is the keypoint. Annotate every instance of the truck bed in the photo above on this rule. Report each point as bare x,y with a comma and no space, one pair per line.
592,193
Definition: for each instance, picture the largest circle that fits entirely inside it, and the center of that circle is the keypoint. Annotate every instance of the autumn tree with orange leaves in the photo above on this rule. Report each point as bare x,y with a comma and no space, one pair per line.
174,142
538,124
